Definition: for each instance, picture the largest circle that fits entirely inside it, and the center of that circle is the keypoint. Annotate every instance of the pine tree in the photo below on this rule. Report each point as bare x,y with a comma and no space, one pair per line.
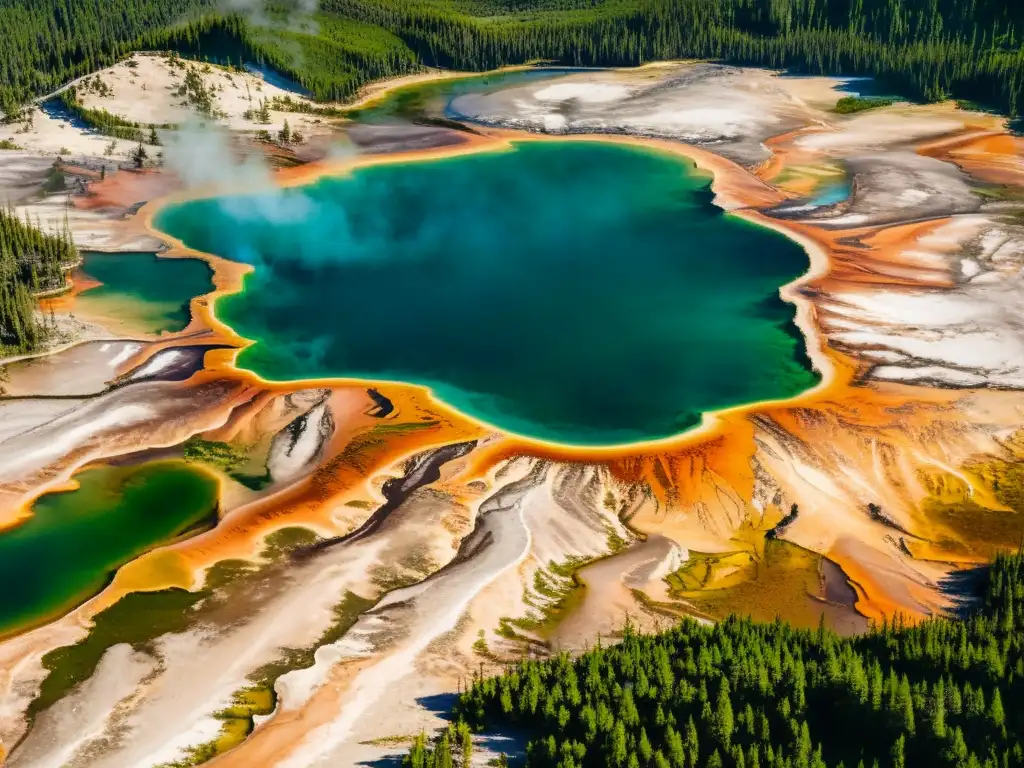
691,744
996,713
646,752
938,711
723,723
912,671
140,155
905,704
956,751
899,759
674,746
619,751
467,745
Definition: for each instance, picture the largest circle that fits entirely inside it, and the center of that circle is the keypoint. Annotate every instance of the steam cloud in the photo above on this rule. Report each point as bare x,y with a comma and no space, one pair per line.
204,157
297,13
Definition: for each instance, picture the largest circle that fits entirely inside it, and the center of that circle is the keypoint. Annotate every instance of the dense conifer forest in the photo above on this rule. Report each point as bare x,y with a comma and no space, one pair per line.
31,261
968,49
740,694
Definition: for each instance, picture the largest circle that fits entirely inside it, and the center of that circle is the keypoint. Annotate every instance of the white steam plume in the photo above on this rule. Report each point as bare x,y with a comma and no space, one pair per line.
297,13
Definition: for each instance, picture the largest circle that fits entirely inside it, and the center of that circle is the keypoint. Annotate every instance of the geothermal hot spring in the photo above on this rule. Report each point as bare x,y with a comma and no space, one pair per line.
578,292
120,511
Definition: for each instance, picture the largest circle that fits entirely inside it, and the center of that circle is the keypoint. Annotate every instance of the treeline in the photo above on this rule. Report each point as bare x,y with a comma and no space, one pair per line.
336,60
328,56
969,49
31,261
928,48
741,694
47,43
103,121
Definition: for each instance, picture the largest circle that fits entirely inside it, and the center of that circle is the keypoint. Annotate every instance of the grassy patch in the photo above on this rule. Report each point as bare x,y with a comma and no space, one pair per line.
346,613
390,741
402,427
282,542
137,619
974,529
971,520
616,543
360,504
223,456
388,578
1003,193
848,105
226,457
260,697
779,580
561,591
286,103
237,725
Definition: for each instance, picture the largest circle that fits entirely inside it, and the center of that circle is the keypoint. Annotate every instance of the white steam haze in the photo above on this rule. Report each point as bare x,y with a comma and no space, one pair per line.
297,16
257,222
204,157
201,155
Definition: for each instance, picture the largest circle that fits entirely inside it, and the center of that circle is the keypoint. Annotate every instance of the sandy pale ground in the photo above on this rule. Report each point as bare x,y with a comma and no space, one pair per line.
145,93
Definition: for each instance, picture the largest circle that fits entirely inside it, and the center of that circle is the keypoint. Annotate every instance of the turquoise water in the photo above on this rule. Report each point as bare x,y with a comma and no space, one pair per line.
583,293
144,291
832,192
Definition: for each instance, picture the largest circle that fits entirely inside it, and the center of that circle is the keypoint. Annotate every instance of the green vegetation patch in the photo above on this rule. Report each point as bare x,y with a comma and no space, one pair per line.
560,590
232,589
137,619
227,457
284,541
777,578
973,526
748,694
926,47
31,261
851,104
223,456
102,120
237,724
975,529
346,613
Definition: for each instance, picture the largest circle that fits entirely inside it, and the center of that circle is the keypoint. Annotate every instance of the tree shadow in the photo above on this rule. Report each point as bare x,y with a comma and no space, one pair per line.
388,761
963,589
440,704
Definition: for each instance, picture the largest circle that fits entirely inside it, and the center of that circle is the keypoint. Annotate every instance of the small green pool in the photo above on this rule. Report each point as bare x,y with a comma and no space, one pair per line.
145,292
75,540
